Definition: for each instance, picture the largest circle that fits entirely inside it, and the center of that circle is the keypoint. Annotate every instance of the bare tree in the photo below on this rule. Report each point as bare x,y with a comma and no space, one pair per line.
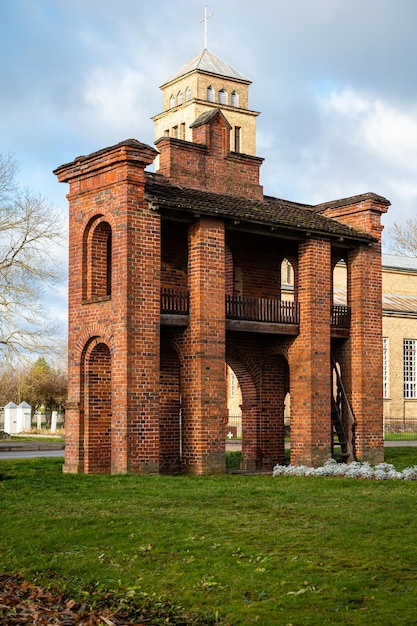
404,237
29,231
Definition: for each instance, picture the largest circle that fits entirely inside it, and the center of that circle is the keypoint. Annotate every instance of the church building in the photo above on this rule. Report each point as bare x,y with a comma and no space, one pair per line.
176,274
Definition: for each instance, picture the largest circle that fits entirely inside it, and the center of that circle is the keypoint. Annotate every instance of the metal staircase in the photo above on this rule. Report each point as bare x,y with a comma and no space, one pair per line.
342,436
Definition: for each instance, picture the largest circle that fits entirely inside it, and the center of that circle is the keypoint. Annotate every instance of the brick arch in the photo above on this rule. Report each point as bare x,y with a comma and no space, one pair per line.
96,400
92,335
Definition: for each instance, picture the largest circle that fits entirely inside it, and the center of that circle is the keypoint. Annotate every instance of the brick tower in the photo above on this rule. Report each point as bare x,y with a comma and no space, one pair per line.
175,274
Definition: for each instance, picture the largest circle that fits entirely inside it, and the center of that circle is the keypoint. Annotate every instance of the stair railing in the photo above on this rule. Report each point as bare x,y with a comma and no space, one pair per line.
340,399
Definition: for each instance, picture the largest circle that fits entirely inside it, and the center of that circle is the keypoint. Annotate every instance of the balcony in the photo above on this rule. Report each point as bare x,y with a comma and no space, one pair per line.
265,315
340,321
174,307
268,315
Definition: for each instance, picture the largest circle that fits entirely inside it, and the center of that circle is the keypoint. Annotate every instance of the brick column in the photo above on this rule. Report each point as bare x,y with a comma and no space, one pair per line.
107,188
203,385
309,358
365,351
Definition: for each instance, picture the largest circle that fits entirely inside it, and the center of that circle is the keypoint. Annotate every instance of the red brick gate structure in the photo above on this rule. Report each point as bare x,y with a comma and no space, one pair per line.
174,274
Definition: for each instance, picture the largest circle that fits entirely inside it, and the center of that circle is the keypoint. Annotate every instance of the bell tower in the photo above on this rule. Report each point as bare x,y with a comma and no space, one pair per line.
202,85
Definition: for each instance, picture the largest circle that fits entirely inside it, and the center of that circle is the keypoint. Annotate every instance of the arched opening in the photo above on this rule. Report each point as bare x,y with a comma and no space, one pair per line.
180,98
343,421
172,102
340,282
234,407
170,424
97,259
222,96
234,99
287,280
97,410
244,424
188,94
210,94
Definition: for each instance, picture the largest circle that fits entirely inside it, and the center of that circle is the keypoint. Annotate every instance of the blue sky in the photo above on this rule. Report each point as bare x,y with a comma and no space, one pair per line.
335,82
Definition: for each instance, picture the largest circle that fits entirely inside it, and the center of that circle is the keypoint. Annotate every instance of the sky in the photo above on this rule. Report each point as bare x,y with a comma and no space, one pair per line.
335,82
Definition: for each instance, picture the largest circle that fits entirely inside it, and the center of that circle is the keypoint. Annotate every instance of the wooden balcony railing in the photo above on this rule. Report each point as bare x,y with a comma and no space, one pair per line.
262,310
174,301
340,316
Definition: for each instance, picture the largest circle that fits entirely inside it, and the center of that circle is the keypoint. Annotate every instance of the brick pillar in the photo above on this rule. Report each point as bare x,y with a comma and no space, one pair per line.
107,193
309,358
272,412
203,381
365,351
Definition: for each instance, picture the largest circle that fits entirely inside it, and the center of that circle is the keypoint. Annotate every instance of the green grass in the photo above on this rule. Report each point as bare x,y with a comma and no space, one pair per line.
400,436
245,549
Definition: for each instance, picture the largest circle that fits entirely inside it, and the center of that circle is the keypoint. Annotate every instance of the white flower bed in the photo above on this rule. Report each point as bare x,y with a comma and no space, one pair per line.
357,469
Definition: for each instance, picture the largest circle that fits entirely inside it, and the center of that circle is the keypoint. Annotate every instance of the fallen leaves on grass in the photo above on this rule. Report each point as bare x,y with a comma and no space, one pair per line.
22,602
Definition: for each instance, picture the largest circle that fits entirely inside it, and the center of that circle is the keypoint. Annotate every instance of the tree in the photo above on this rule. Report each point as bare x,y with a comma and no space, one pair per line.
404,237
43,386
29,231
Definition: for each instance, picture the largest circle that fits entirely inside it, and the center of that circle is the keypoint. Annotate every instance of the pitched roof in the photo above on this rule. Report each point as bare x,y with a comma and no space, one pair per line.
206,61
206,117
392,303
273,213
408,263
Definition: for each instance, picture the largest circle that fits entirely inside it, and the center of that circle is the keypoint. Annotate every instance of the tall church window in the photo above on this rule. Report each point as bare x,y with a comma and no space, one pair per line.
172,101
210,94
234,99
222,96
410,368
180,98
182,130
188,94
97,260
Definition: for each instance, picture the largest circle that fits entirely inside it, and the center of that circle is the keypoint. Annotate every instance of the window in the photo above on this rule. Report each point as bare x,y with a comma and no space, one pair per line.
182,130
180,97
237,138
287,273
97,259
410,368
385,366
235,99
222,96
175,131
172,101
188,94
210,94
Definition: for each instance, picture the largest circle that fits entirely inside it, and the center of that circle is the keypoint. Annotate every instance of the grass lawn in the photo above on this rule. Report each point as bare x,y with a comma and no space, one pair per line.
236,549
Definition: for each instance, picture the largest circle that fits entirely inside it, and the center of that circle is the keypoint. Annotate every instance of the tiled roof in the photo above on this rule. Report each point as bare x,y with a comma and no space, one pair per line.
333,204
206,61
271,212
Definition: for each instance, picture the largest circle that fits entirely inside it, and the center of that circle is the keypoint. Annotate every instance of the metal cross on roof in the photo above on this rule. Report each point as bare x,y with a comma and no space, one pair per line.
205,20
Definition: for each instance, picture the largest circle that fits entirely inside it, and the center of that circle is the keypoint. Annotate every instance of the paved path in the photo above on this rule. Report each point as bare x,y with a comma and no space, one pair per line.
31,449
